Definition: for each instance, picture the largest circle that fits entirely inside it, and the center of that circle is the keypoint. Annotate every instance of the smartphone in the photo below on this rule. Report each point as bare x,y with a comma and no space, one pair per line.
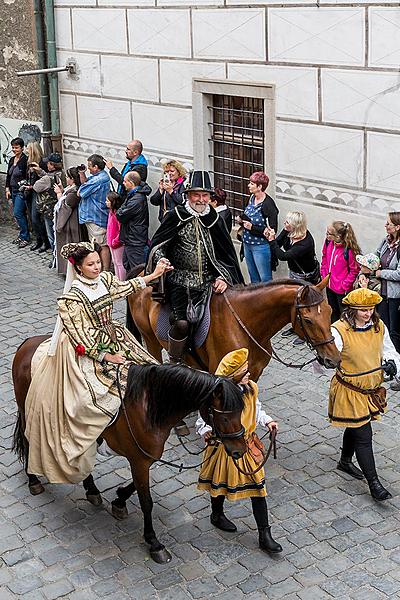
166,178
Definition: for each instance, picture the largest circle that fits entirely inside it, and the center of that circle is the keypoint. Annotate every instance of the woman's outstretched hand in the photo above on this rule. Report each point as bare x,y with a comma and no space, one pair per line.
269,233
117,359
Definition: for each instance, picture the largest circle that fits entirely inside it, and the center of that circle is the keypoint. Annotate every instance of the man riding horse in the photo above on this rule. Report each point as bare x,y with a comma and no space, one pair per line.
194,239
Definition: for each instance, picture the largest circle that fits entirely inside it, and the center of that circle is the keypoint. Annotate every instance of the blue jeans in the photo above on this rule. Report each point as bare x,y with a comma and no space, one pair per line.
49,224
258,260
19,210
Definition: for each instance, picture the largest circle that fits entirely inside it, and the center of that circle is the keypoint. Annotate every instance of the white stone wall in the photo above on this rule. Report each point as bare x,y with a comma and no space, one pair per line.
336,70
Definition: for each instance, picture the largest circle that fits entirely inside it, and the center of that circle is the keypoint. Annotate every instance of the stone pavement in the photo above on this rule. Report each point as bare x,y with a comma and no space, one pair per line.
337,542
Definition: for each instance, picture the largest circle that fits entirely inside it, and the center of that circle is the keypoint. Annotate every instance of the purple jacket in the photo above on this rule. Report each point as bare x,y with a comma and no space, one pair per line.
343,272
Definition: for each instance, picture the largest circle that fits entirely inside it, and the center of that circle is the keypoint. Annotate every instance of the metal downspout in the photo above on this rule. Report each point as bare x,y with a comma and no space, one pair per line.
52,77
43,83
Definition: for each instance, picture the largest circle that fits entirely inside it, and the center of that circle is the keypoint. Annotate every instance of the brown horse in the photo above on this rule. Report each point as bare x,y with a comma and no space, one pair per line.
261,309
157,397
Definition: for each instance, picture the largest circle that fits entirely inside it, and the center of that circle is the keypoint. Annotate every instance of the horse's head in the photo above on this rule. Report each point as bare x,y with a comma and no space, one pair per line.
223,414
311,320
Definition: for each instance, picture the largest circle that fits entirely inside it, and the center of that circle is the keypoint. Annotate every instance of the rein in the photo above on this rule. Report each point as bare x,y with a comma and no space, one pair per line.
168,463
271,447
273,354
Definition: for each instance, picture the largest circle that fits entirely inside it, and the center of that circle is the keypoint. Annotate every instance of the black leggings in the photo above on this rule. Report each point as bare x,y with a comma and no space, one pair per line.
335,302
258,504
359,440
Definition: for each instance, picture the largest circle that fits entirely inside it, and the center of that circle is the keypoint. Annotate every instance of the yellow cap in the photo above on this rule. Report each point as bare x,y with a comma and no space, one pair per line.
362,298
232,362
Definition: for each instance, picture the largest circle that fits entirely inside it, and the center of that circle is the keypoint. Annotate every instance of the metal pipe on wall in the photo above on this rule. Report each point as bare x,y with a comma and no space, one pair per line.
52,77
43,83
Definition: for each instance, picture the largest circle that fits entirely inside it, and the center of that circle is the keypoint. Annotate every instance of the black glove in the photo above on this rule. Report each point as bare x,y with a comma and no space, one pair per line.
389,368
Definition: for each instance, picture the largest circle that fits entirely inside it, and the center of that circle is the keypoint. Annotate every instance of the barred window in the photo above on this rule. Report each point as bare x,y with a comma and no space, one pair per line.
237,144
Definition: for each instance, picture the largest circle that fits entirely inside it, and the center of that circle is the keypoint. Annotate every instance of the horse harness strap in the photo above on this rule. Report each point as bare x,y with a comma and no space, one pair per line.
273,354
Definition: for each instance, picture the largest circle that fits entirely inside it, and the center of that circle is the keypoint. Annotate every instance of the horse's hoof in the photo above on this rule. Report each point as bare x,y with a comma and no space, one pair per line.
36,489
118,512
161,556
94,499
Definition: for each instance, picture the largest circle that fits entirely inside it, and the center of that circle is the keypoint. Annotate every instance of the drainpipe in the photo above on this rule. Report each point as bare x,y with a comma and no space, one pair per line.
43,84
52,77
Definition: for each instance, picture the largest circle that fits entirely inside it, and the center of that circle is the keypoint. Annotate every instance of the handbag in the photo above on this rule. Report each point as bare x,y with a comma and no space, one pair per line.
256,448
314,276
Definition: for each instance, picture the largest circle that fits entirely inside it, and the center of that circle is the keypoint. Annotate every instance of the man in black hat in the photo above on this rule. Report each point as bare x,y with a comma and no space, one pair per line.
194,240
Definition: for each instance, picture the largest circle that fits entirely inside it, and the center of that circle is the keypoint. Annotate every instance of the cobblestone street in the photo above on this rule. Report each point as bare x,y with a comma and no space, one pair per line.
337,542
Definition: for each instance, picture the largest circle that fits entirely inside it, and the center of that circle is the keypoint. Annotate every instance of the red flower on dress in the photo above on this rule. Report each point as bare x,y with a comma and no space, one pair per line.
71,260
80,350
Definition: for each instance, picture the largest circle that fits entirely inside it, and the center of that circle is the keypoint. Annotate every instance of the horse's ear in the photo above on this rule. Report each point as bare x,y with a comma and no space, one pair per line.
322,284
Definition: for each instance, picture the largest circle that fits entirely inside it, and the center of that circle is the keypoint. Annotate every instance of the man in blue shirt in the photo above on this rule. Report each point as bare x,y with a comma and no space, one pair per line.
136,162
93,212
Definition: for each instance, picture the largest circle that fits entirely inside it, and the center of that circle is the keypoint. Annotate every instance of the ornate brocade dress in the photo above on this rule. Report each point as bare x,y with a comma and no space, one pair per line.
72,398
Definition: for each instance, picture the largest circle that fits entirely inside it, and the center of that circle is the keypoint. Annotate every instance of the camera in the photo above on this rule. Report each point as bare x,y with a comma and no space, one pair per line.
22,185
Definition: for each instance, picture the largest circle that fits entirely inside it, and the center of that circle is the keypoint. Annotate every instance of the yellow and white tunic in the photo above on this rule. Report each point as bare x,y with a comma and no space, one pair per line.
218,475
72,398
361,350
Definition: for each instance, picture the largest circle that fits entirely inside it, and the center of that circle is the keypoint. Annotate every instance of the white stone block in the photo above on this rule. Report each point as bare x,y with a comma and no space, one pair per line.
126,2
74,3
176,78
316,35
164,128
107,120
88,66
127,77
384,37
101,29
229,33
323,153
190,3
383,159
68,117
63,27
159,32
296,87
361,98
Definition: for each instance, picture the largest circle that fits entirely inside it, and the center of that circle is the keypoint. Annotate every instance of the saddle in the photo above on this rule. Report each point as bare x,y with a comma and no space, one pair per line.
198,318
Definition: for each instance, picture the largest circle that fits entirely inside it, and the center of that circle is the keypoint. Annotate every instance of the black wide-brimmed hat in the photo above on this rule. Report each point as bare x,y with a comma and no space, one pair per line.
199,181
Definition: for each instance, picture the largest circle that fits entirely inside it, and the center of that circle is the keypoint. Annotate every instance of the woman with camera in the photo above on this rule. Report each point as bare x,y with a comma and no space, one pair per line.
35,159
66,222
170,189
15,184
261,212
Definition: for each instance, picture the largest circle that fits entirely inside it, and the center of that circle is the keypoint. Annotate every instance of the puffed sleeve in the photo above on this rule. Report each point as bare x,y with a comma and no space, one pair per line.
77,328
261,416
120,289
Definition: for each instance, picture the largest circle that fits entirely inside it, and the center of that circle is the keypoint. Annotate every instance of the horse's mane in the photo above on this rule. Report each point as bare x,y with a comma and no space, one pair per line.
169,389
313,294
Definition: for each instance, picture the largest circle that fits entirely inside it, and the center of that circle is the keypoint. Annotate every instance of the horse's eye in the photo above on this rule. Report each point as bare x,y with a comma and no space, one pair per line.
307,320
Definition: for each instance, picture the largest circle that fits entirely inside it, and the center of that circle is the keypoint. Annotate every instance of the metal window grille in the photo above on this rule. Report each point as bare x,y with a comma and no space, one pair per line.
237,142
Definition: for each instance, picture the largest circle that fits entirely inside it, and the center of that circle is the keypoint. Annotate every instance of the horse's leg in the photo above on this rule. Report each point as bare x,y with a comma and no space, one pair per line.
158,552
92,493
119,509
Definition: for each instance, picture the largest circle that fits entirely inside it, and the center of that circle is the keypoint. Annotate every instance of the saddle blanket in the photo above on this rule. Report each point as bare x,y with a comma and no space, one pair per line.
199,336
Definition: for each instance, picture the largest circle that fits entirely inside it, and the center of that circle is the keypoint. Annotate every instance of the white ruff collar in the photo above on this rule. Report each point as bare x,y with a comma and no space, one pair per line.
194,212
92,283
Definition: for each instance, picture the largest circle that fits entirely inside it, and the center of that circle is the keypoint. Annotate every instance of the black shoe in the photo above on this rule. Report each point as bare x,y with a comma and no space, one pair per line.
347,467
43,249
181,429
36,246
23,244
378,492
288,332
267,542
222,522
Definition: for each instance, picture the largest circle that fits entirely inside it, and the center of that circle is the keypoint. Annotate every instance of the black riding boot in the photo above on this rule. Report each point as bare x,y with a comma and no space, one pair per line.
218,518
362,437
378,492
265,539
176,349
345,464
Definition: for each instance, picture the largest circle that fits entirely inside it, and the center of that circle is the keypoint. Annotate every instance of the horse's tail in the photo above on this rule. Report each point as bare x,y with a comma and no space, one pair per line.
20,443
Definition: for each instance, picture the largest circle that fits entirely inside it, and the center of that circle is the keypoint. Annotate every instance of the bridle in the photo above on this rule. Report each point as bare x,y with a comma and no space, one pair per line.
217,434
299,317
298,305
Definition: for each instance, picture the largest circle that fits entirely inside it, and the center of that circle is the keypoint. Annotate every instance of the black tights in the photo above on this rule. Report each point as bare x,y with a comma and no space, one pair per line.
258,504
359,440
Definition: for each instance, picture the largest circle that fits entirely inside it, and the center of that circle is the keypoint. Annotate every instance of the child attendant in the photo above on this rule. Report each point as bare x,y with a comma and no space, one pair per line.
219,474
113,202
